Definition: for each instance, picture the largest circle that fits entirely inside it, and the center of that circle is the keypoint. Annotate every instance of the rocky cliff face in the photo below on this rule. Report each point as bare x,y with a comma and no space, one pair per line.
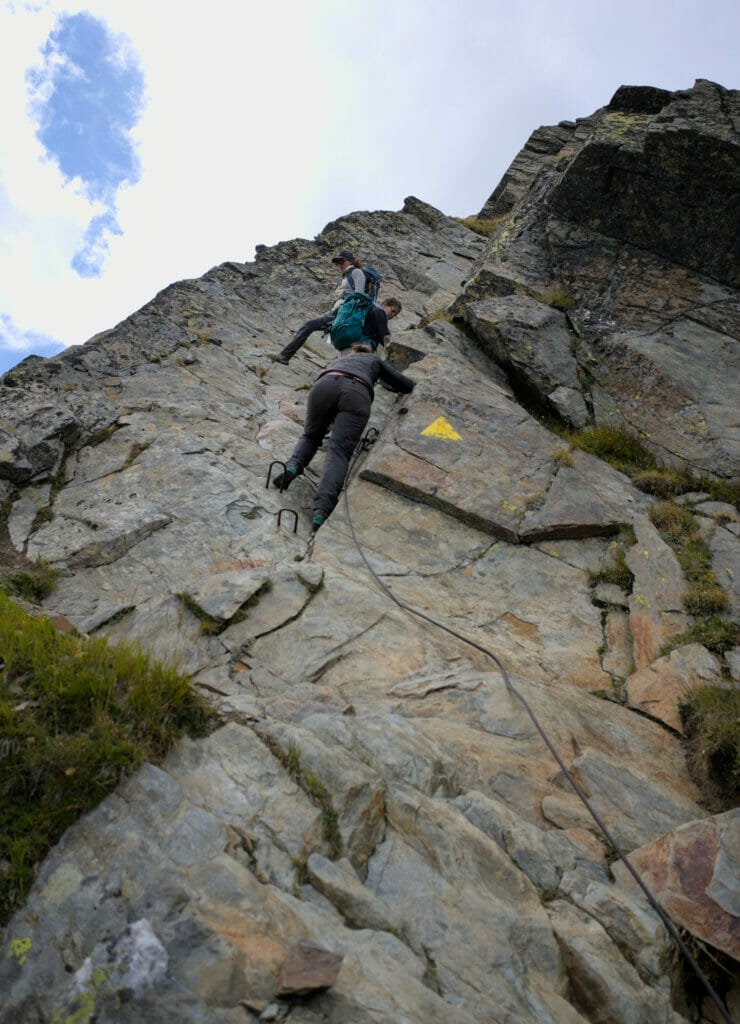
460,877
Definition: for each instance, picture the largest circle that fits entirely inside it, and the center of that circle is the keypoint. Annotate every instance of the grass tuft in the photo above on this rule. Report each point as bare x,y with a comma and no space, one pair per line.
76,716
619,448
31,585
710,716
716,634
485,226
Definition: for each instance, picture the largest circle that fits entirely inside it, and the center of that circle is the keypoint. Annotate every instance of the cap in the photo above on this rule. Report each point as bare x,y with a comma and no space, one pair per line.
342,255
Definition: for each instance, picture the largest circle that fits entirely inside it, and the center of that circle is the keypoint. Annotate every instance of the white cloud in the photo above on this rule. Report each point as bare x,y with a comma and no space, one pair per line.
265,121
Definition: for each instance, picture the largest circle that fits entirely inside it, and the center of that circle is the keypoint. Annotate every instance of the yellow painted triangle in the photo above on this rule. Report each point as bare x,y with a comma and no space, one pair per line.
441,428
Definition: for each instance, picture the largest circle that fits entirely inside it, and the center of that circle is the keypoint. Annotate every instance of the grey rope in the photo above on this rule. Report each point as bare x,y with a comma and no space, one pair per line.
672,930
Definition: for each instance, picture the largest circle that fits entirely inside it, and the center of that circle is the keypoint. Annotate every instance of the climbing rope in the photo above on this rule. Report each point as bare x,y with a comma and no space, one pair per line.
672,930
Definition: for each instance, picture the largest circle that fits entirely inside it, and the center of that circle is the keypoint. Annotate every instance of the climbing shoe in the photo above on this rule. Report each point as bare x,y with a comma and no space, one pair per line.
280,358
284,480
318,520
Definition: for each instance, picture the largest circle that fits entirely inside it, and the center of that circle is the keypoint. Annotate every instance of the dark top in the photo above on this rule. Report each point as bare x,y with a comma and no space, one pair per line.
369,368
376,325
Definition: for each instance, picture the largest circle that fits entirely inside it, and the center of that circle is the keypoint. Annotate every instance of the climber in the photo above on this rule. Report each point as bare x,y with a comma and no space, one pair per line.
352,280
340,400
375,329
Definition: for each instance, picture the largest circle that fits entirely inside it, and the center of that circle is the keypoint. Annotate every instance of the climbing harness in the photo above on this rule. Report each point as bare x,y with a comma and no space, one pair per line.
671,928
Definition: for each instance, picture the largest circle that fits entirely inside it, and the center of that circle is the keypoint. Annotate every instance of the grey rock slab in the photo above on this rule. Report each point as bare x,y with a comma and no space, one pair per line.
732,658
718,509
23,513
356,791
570,405
528,337
222,594
655,604
433,453
543,855
72,543
617,659
587,498
659,688
611,594
280,603
318,638
725,548
605,986
629,921
359,905
466,908
588,554
634,809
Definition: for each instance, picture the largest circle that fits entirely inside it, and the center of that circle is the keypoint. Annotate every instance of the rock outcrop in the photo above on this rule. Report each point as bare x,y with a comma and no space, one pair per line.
464,880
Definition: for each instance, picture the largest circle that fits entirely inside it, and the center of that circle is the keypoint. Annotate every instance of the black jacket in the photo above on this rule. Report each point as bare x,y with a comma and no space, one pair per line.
369,368
376,326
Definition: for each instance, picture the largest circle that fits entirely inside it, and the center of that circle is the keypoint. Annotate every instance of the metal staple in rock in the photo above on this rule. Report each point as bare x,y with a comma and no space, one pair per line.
364,445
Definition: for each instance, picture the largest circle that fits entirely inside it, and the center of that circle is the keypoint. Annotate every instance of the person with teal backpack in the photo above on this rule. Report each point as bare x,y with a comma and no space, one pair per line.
354,279
361,321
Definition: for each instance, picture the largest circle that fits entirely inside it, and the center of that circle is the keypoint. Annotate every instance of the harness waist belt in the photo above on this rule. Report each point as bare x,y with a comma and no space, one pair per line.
352,376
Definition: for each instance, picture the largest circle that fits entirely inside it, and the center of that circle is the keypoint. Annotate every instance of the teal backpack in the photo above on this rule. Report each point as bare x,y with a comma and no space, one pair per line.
348,323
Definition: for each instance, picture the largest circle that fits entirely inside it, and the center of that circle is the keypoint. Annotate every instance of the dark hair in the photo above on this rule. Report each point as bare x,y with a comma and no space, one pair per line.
392,302
359,347
356,264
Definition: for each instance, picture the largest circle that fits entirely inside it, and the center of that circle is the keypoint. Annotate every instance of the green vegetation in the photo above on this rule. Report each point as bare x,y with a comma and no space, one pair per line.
76,716
212,626
710,716
43,516
558,297
617,571
134,452
485,226
625,451
705,595
619,448
31,585
716,634
562,457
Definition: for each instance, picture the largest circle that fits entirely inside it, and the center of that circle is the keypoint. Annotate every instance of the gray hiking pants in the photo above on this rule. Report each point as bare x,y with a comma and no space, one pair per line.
319,323
341,404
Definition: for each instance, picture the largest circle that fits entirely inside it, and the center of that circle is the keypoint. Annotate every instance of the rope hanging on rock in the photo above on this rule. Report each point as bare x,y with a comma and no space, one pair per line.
671,928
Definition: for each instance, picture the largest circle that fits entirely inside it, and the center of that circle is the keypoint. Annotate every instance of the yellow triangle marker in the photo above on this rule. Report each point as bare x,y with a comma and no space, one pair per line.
441,428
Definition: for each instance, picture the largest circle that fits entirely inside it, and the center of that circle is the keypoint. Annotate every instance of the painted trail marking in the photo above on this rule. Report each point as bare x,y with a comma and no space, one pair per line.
441,428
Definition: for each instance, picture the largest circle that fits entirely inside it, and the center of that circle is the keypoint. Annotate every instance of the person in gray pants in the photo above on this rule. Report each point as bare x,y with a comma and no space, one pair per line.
340,401
352,280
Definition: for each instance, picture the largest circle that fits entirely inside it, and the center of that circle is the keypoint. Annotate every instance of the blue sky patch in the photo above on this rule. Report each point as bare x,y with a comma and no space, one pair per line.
16,344
87,97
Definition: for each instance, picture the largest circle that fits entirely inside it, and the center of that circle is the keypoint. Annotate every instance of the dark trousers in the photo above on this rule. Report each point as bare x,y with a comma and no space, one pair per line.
342,404
319,323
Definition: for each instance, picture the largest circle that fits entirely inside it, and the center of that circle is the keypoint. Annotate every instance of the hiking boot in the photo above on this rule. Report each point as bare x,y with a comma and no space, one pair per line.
284,480
280,358
318,520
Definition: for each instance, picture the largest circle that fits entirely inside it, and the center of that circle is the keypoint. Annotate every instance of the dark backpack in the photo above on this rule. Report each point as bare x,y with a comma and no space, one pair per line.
372,282
348,323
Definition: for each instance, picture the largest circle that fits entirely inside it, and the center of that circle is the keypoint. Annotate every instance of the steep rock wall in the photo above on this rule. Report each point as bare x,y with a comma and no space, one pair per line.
471,885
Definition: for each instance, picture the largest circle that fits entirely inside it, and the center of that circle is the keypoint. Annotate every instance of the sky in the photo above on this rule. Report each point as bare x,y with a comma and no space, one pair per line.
145,142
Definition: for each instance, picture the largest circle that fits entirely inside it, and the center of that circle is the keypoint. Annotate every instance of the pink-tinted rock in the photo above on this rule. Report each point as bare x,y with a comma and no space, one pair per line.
308,968
694,873
658,689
